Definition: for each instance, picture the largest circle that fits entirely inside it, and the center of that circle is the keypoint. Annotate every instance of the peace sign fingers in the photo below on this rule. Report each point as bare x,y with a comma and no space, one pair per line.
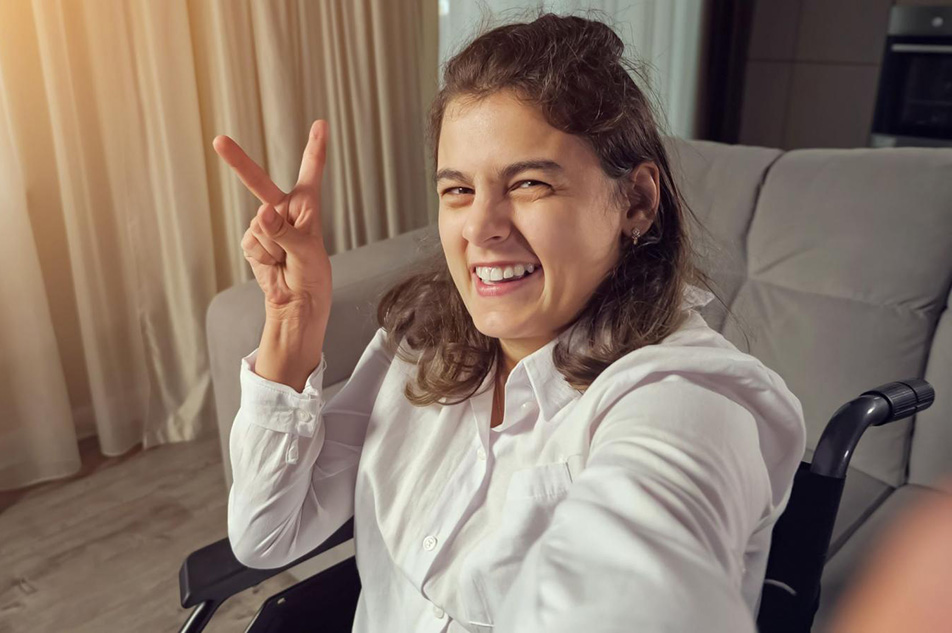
255,178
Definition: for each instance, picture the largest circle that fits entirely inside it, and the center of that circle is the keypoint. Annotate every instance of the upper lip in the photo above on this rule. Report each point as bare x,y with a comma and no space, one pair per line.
503,264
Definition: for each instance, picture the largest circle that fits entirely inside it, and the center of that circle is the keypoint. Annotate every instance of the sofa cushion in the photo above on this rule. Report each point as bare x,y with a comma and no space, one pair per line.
720,184
930,460
847,274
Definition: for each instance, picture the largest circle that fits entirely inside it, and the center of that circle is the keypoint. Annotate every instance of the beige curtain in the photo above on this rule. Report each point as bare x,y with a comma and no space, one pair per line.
119,223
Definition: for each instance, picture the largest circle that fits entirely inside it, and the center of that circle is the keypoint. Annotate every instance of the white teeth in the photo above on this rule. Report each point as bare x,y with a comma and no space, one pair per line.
495,273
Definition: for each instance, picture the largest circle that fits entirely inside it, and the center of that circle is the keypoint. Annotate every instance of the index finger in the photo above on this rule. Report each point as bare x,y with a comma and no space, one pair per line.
255,178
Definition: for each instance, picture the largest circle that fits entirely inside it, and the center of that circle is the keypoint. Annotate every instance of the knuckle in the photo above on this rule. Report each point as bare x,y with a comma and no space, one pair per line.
263,258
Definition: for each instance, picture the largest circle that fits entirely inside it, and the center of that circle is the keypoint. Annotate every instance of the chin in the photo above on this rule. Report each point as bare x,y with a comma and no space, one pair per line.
496,327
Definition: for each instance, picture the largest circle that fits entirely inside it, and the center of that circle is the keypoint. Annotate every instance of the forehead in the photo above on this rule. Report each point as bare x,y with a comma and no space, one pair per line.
500,129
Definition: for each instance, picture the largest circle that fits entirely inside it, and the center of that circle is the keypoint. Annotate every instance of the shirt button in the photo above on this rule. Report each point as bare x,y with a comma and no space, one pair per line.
429,543
301,415
437,611
480,453
525,405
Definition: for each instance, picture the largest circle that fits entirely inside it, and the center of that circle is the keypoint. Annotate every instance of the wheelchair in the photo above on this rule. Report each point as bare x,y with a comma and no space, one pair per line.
791,591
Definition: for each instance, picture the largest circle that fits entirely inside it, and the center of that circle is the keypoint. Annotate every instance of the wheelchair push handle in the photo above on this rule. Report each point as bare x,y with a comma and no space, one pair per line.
886,403
906,398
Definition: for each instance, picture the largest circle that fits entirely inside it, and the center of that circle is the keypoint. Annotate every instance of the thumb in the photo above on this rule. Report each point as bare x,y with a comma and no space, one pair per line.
279,229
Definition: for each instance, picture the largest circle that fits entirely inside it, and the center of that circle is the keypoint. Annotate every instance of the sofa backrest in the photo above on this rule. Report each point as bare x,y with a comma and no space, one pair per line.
838,263
361,277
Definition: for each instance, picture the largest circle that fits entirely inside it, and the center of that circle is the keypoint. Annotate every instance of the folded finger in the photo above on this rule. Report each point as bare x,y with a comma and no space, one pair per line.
273,248
256,252
251,174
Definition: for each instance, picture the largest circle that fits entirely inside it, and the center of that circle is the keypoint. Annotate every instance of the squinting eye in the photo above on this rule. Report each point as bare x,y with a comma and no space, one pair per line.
450,190
537,182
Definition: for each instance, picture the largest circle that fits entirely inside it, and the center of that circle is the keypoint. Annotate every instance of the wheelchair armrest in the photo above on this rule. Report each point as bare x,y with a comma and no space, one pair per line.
213,574
886,403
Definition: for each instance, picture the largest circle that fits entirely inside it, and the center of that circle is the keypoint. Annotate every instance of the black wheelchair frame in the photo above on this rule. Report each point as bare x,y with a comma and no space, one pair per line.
791,592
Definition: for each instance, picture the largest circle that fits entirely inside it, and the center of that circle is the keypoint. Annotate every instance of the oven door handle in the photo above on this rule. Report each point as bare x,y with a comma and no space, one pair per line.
921,48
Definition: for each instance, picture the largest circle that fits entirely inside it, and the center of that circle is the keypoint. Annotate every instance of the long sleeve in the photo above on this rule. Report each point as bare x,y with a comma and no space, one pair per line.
652,533
294,459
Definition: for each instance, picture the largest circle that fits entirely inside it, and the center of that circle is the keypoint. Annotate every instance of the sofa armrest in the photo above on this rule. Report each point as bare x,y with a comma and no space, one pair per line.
235,318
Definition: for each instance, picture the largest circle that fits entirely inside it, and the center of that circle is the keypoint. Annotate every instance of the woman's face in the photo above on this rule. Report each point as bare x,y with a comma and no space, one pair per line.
513,189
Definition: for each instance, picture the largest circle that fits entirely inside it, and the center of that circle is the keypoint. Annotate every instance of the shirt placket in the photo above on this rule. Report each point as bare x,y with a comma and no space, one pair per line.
443,521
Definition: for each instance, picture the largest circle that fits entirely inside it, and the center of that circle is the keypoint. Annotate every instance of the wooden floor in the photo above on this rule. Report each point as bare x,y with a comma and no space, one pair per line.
100,552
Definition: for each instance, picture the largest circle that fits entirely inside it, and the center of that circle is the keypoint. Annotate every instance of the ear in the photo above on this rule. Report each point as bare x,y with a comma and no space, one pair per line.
644,196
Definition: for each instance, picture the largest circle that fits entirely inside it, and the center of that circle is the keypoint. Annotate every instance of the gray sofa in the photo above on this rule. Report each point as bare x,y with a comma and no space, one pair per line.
838,264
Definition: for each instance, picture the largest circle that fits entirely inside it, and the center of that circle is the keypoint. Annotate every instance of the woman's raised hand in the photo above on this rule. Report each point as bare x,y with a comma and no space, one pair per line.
284,242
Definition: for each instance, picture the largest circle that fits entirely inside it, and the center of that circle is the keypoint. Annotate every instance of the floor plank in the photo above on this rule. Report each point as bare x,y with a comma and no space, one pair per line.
100,551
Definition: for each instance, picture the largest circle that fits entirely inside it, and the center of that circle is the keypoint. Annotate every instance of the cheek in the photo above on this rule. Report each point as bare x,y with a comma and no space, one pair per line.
454,254
570,243
451,224
442,224
450,240
578,255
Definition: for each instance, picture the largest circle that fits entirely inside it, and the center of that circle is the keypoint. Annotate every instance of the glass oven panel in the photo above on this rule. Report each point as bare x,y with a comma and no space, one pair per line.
915,92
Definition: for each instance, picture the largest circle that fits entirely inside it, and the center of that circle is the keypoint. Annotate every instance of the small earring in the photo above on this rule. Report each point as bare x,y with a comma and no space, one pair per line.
635,234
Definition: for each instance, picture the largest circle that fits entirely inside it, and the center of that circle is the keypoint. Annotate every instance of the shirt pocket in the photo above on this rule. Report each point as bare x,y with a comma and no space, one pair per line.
530,501
547,480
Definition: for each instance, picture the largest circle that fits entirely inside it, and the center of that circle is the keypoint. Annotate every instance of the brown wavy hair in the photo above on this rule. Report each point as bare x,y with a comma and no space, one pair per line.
573,69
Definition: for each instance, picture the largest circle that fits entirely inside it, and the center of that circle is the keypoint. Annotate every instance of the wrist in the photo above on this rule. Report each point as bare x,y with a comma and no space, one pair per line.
290,350
302,311
297,337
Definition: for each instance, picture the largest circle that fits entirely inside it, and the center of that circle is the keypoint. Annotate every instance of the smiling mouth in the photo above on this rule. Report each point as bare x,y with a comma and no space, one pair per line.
502,282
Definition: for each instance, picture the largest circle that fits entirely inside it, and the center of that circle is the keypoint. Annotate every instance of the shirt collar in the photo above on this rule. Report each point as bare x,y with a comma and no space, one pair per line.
549,387
694,297
552,392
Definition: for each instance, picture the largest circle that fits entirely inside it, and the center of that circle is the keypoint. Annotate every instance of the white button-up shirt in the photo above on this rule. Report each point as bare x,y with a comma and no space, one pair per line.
646,504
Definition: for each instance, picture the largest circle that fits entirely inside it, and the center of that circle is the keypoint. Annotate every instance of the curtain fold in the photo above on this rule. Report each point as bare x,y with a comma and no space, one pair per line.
123,223
32,385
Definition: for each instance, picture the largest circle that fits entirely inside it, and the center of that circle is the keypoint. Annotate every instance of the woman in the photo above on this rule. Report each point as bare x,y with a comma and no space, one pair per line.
543,434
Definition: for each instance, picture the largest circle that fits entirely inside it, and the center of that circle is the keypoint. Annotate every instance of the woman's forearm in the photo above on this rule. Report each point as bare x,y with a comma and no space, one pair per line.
290,349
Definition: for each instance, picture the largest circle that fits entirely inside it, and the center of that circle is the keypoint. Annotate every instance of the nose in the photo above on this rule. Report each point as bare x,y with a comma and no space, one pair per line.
487,220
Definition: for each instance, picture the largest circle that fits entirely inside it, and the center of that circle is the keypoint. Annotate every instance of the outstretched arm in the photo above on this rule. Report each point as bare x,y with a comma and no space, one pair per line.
652,534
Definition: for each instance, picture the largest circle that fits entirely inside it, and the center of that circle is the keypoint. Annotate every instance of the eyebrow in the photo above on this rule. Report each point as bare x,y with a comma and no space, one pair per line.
506,172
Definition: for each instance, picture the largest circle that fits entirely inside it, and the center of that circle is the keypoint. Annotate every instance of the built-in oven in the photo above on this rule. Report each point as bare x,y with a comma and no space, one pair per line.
914,100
